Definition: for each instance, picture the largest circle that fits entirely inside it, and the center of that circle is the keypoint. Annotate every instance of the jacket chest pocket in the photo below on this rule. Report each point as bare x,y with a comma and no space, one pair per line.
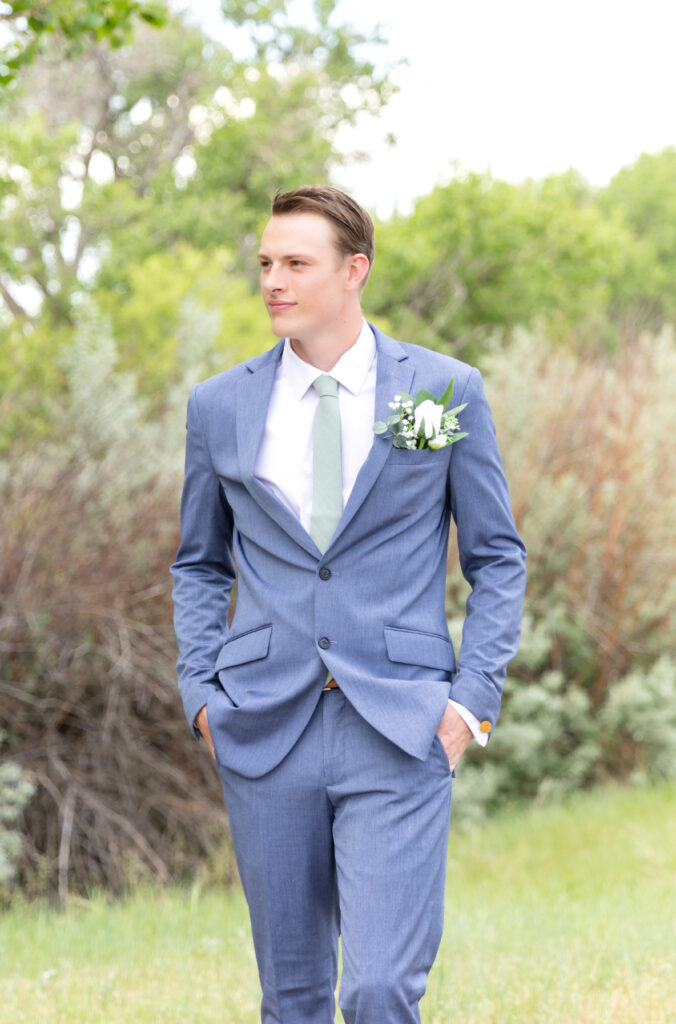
419,458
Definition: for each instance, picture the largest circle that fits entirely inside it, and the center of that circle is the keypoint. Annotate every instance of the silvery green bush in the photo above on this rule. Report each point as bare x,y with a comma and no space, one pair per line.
15,792
638,724
551,740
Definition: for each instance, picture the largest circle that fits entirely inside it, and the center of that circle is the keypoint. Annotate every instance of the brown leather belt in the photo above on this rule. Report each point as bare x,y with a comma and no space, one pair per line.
331,685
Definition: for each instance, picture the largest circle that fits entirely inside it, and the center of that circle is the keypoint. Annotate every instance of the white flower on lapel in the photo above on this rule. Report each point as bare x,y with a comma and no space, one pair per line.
428,415
421,422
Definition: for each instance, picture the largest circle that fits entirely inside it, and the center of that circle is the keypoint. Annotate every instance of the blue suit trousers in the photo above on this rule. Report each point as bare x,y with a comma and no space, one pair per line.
346,837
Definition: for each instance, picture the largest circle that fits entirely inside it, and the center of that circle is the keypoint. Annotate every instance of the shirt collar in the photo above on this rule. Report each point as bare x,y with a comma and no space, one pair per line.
351,370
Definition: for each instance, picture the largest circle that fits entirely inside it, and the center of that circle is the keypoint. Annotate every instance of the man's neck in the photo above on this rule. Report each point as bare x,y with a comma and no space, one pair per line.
324,351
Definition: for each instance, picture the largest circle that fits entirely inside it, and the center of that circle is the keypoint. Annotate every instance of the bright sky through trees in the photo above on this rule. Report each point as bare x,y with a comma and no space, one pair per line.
522,88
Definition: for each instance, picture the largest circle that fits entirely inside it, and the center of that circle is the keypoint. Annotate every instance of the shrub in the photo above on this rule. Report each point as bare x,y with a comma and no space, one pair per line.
638,724
15,791
88,529
588,453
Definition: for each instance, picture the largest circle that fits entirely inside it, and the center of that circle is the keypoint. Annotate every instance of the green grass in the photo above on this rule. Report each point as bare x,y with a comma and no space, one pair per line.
558,915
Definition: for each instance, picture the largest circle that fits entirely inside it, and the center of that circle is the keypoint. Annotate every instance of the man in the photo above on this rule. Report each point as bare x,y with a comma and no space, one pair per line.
332,702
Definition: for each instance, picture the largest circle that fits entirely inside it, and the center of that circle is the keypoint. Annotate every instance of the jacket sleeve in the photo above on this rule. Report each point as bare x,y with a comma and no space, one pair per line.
492,559
203,572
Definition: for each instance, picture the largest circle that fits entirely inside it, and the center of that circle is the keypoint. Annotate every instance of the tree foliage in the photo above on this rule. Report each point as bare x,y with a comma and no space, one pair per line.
644,196
72,23
140,177
480,255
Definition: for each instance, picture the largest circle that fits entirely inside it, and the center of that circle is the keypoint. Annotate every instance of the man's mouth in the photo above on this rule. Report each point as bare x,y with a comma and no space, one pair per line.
279,307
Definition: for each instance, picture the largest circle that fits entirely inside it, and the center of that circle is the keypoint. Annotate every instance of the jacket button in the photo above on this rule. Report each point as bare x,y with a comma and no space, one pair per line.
324,643
324,573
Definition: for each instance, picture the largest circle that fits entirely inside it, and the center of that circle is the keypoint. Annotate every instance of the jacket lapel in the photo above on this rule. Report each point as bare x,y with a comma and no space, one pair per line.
253,399
394,374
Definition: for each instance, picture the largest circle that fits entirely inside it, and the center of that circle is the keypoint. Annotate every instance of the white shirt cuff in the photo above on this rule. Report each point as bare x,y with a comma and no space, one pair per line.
472,721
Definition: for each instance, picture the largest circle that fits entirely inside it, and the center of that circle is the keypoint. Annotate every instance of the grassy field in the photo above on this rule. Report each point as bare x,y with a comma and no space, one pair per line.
559,915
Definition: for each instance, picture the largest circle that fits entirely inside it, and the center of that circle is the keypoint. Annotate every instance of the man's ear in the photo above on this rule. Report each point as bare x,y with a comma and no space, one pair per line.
358,268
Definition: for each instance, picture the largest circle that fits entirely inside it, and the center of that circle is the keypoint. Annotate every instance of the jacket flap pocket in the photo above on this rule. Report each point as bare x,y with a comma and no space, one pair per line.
248,646
413,648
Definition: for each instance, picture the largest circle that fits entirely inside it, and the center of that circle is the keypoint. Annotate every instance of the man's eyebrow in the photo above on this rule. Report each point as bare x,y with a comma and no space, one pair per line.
288,256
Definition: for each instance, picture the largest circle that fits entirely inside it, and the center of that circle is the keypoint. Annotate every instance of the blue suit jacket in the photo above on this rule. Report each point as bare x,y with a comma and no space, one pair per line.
371,608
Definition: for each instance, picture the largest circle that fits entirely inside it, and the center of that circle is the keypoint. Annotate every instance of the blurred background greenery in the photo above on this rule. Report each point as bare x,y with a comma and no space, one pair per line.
138,156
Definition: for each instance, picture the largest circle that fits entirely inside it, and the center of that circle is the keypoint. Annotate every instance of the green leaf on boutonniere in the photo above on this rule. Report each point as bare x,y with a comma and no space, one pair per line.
447,395
379,427
423,396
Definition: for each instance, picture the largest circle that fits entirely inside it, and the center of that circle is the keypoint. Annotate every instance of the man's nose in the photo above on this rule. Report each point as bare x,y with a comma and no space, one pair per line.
274,279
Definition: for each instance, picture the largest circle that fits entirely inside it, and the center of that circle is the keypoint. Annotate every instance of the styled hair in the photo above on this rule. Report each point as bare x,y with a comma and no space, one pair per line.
352,225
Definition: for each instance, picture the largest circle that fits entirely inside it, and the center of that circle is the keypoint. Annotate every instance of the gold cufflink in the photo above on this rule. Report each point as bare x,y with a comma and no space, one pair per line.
485,726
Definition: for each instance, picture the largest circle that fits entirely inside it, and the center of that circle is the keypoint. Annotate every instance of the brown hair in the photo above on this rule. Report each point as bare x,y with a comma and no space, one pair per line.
353,227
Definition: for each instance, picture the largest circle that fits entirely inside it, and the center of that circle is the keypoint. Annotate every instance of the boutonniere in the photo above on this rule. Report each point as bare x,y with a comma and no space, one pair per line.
421,422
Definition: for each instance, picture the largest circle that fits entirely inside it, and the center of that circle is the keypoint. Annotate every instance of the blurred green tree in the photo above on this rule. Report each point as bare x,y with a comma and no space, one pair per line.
126,175
643,195
480,255
29,23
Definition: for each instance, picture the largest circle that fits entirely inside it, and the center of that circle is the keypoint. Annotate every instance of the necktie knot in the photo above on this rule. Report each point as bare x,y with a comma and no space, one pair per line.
326,386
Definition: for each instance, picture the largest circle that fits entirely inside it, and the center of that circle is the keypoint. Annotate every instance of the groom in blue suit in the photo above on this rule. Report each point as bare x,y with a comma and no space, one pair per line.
333,702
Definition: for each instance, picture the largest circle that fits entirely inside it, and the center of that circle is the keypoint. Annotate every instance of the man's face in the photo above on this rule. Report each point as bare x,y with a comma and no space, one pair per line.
306,283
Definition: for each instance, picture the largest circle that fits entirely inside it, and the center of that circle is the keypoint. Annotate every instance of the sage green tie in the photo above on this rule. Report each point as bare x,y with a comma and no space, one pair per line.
327,470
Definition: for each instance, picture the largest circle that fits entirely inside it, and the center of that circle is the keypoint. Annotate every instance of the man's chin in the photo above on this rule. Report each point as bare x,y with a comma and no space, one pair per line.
282,316
282,325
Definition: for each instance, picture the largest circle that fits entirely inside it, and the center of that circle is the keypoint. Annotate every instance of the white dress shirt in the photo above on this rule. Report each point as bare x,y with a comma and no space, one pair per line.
284,460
